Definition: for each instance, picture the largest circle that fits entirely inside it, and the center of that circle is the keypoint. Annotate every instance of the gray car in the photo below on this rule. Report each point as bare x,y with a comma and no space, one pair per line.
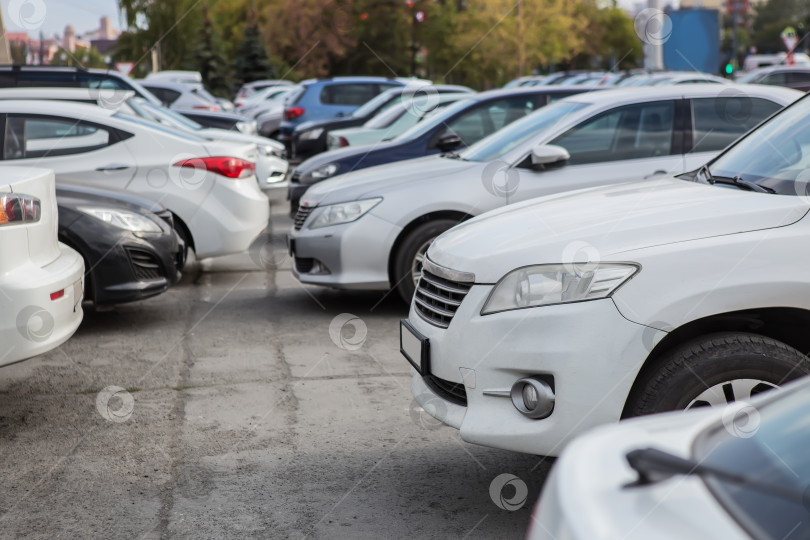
370,229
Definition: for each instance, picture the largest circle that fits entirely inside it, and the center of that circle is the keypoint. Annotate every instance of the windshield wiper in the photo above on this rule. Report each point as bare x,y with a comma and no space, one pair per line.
653,465
736,181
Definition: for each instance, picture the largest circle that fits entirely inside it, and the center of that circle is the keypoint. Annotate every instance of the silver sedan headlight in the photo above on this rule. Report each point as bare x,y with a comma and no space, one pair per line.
336,214
311,134
324,171
548,284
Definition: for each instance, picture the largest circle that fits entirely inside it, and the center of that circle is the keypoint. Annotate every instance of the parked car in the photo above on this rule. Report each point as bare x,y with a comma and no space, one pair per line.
583,141
210,187
797,77
309,138
268,123
75,77
176,75
687,77
461,124
256,100
316,99
40,279
620,301
182,96
393,121
129,246
738,471
249,88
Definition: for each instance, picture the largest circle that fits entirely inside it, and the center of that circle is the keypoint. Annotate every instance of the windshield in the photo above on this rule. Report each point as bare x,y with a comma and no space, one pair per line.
748,77
423,127
775,155
160,127
372,105
520,131
769,444
386,118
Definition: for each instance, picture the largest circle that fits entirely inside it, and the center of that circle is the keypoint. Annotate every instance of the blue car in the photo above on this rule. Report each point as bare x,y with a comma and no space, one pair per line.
461,124
328,98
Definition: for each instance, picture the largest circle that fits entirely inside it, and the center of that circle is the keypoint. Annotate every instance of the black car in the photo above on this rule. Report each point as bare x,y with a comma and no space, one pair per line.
460,124
221,120
310,138
130,248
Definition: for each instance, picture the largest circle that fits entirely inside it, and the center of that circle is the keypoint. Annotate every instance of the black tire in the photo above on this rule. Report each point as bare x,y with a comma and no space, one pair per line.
681,375
407,251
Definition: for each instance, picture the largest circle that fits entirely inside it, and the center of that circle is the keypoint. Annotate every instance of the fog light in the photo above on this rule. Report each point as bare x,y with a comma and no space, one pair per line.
534,398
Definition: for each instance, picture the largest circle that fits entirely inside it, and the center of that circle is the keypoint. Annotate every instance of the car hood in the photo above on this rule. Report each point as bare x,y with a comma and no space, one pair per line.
607,223
73,196
373,181
340,154
329,123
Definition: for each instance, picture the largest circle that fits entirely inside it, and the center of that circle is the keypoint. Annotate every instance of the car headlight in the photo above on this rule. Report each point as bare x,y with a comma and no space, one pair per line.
270,150
310,134
335,214
548,284
325,171
248,127
124,219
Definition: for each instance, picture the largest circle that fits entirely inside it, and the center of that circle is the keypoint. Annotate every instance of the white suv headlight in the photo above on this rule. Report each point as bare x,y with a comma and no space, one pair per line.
547,284
335,214
123,219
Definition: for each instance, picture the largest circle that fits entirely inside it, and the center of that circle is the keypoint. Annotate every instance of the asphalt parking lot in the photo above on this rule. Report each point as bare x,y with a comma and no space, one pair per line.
241,415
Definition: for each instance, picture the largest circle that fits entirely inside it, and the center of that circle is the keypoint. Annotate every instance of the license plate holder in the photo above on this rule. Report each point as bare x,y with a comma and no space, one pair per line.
414,347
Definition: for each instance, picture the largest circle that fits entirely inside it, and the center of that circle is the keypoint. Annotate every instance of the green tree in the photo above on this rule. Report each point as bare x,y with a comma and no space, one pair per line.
208,58
166,26
773,16
252,63
86,58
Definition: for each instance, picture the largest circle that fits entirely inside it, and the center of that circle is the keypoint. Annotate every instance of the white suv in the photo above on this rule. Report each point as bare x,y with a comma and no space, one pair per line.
41,280
534,323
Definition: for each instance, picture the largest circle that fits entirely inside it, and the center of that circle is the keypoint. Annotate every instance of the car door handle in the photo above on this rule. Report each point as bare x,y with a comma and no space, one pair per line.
113,167
656,173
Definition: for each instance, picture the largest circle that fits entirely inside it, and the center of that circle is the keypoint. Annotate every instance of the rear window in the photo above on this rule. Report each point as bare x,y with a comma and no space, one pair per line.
347,94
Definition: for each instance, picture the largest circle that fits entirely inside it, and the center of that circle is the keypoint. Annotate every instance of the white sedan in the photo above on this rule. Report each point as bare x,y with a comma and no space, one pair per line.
732,472
41,280
210,187
532,324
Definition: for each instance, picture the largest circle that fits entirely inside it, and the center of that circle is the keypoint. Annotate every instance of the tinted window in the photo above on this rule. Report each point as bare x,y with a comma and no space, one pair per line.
164,94
487,118
629,132
101,81
778,78
32,137
720,121
347,94
774,452
799,77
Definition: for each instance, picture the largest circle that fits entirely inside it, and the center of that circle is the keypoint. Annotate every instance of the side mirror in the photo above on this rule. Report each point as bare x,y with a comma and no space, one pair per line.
449,141
546,156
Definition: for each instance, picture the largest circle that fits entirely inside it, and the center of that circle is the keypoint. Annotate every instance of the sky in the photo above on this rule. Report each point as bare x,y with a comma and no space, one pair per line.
51,16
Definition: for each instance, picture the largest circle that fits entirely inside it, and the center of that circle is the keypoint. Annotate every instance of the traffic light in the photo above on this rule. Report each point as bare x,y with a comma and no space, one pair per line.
729,68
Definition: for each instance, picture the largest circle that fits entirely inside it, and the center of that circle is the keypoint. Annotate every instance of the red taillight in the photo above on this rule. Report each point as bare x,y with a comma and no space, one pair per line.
212,108
292,113
57,295
19,209
342,142
230,167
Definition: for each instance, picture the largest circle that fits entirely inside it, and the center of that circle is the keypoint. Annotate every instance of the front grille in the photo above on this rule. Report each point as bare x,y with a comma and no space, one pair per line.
304,265
452,392
302,215
145,265
437,299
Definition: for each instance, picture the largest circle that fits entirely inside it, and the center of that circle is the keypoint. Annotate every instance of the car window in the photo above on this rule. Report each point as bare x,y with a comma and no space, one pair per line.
720,121
799,77
372,105
487,118
775,452
101,82
165,95
628,132
778,78
31,137
347,94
